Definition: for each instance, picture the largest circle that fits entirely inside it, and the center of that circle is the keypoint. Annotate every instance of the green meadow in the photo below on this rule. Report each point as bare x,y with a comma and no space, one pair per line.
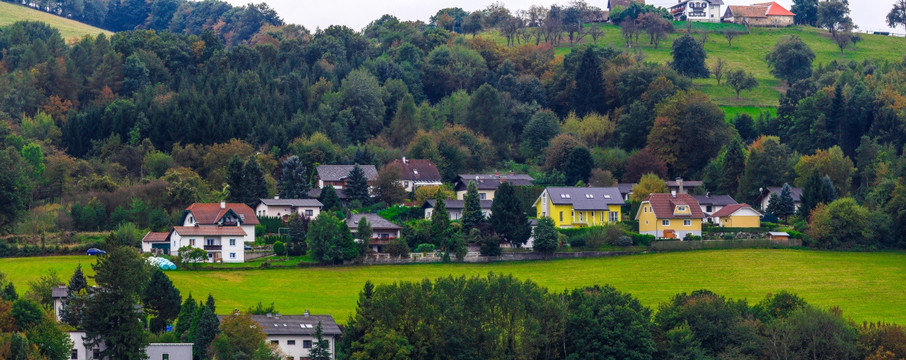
69,29
866,286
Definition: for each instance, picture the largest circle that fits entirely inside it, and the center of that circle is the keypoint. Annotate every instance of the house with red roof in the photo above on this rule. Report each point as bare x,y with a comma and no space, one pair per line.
671,216
221,230
762,14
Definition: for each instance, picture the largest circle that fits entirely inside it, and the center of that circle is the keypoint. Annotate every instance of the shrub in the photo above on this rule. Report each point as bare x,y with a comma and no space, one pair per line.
425,248
689,237
728,237
397,248
642,239
272,239
577,241
279,248
623,241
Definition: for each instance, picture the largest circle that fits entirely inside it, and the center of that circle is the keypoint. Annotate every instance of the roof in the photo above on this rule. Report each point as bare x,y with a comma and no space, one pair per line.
156,237
714,200
774,9
295,324
730,209
625,188
316,193
418,169
457,204
292,202
341,172
210,214
585,198
754,11
59,292
795,192
492,181
778,233
686,183
664,205
375,220
209,230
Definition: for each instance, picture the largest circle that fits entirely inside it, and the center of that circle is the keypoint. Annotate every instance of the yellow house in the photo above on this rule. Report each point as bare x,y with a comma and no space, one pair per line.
738,216
670,216
571,207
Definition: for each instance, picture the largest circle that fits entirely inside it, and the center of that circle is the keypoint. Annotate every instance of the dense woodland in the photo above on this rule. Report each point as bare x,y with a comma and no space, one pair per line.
135,126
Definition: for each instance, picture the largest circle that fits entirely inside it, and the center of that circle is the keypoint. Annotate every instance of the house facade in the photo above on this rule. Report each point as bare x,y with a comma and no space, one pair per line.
337,175
382,230
277,207
571,207
156,242
417,173
764,199
221,230
670,216
455,208
738,216
487,184
763,14
712,203
294,334
697,10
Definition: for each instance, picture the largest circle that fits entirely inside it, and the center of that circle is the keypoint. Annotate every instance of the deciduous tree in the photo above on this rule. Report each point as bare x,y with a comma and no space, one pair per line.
648,184
791,59
741,80
689,57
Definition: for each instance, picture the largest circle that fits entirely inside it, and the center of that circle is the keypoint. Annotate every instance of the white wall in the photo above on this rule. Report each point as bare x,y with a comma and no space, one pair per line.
297,351
177,241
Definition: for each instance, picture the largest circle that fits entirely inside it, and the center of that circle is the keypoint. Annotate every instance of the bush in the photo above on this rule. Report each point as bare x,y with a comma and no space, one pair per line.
642,239
269,225
728,237
425,248
273,239
279,248
689,237
397,248
577,241
260,230
623,241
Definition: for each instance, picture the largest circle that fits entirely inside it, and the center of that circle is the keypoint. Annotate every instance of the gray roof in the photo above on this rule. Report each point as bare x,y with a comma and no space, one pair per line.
295,324
625,188
586,198
375,220
59,292
714,200
492,181
795,192
340,172
457,204
316,193
292,202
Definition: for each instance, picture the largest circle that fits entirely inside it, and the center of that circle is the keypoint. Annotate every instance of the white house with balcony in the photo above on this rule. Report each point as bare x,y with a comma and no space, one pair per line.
697,10
277,207
294,334
221,230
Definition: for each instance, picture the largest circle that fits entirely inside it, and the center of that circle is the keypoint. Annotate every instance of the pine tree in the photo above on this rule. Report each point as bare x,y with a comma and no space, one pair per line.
74,302
733,167
357,186
440,220
162,300
298,228
321,347
77,282
403,126
508,218
9,293
588,96
186,313
207,329
255,184
782,206
471,212
329,199
209,303
235,181
363,234
811,194
294,180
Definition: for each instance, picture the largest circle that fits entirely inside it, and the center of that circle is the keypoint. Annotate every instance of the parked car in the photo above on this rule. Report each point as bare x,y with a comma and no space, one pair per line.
95,251
248,247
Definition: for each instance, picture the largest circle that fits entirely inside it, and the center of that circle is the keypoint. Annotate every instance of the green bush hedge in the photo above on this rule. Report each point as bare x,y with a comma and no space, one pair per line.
717,229
271,224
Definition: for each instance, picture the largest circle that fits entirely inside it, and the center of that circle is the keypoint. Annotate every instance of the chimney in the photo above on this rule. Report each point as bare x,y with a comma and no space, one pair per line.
708,194
673,193
404,160
223,204
306,313
497,173
512,173
679,184
276,197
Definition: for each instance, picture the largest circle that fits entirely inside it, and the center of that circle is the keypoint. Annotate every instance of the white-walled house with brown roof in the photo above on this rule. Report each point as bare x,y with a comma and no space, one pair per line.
277,207
221,230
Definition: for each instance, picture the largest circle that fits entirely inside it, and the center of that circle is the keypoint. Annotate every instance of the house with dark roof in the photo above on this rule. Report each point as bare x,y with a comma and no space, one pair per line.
417,173
710,203
455,208
337,175
488,183
625,190
738,216
764,199
763,14
681,186
697,10
221,230
382,230
278,207
294,335
571,207
670,216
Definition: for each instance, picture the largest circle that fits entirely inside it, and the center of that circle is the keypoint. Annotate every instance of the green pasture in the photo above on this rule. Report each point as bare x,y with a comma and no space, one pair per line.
866,286
69,29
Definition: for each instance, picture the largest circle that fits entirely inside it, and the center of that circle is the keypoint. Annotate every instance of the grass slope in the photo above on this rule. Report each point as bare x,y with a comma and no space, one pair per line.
866,286
69,29
748,53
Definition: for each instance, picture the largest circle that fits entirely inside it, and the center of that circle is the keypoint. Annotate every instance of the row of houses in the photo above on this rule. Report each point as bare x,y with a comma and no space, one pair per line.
760,14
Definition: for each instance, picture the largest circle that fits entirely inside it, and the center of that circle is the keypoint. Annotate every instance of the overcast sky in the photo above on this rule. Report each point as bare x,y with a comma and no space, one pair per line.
867,14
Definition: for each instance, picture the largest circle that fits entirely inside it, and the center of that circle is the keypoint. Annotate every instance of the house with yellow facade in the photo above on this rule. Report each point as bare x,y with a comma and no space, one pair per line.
671,216
737,216
572,207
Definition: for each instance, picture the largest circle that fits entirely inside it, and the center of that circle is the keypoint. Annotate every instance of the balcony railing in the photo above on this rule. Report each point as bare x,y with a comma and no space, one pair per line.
213,247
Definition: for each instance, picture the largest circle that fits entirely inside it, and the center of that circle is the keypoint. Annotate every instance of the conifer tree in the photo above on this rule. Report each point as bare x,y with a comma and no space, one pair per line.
357,186
255,184
235,180
293,180
329,199
545,236
77,282
783,205
162,300
363,234
588,96
440,220
321,348
508,217
812,194
471,212
578,166
733,167
298,228
186,313
207,329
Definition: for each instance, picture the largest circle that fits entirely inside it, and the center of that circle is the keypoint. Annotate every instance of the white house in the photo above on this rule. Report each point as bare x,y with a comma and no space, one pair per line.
277,207
155,351
697,10
764,199
59,294
455,208
294,334
220,229
713,203
336,175
382,230
417,173
487,184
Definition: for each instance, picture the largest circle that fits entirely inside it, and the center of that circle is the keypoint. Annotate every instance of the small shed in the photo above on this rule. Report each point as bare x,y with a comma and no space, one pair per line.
778,235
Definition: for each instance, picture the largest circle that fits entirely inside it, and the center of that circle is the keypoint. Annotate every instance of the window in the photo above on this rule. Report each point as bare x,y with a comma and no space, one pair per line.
165,357
561,216
275,342
309,212
191,242
209,242
484,196
687,222
74,354
615,216
232,242
405,184
665,222
681,208
232,255
290,342
306,344
708,208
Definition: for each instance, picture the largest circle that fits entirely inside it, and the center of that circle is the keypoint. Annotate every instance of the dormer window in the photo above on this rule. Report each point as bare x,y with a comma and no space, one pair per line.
681,208
589,196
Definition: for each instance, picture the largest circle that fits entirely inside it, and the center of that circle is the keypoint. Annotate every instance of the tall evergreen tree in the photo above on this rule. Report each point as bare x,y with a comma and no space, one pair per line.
235,180
186,313
77,282
207,329
828,190
733,167
440,220
486,114
209,303
321,348
588,96
471,211
294,182
811,194
783,205
298,228
508,217
329,199
689,57
404,126
162,300
9,293
330,240
357,186
578,165
363,234
255,184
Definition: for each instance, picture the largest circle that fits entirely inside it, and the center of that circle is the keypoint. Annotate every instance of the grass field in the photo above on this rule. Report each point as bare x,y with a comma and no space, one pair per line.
69,29
748,53
867,286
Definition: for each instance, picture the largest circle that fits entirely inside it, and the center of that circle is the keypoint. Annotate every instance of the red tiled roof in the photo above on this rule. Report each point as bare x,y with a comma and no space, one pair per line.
730,209
156,237
774,9
209,230
663,206
418,170
209,214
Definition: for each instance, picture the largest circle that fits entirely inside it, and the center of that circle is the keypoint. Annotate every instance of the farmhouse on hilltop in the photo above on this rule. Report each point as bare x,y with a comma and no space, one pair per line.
697,10
763,14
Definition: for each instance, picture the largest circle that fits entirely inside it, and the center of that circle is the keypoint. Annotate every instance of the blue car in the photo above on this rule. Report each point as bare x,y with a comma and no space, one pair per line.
94,251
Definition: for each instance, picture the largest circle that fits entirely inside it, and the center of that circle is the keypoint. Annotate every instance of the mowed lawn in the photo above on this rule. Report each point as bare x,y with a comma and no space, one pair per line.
867,286
69,29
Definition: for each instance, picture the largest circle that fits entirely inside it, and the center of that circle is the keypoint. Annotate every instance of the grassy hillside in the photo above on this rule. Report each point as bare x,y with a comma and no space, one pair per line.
867,286
10,13
748,52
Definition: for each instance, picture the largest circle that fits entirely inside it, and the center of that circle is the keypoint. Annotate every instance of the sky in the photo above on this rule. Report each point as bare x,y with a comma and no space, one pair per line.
867,14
